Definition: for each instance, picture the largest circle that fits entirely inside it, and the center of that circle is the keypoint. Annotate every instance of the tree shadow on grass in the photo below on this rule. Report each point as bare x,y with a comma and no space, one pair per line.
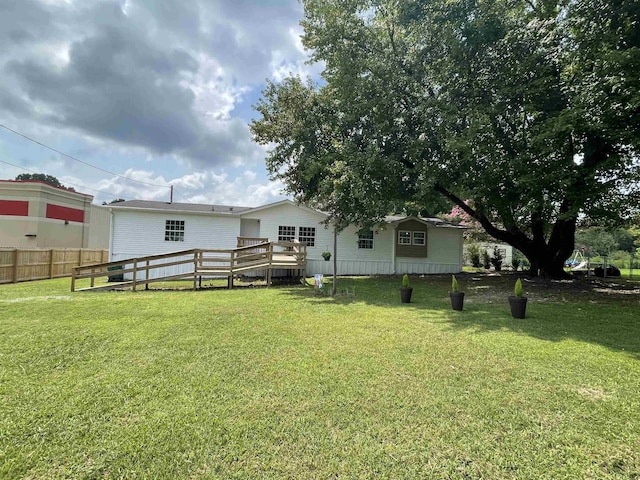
613,328
605,313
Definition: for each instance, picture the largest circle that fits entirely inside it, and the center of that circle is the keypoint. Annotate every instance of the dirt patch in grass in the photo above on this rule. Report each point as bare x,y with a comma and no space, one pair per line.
494,287
595,394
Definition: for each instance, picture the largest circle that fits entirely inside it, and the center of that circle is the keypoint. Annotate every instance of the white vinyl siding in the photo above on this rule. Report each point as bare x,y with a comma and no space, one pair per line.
136,234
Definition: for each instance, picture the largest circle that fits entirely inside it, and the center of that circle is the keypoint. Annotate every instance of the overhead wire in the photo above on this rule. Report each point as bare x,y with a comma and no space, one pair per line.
81,161
70,183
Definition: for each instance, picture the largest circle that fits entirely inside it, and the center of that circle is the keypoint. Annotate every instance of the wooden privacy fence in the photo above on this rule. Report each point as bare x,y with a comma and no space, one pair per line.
21,265
196,264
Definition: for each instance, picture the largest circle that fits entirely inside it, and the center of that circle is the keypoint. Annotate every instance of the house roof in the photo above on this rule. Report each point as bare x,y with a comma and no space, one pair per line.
433,221
283,202
230,210
179,207
148,205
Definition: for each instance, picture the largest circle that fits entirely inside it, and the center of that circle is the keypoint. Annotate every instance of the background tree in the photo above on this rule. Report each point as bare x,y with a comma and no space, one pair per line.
50,179
528,109
116,200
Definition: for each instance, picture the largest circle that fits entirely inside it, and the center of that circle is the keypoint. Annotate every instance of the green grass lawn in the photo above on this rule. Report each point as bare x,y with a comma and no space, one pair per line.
289,383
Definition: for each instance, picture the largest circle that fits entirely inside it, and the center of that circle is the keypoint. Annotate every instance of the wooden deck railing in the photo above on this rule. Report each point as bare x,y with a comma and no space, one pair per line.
266,256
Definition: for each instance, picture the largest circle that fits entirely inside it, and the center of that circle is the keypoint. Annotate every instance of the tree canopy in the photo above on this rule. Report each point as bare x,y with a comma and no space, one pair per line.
115,200
524,114
50,179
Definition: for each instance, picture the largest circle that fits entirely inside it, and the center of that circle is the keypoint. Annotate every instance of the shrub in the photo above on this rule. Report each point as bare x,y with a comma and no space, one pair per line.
473,252
517,290
454,283
405,281
486,260
497,258
517,260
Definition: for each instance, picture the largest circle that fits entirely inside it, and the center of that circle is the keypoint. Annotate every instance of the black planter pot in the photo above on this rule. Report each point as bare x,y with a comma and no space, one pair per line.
326,259
518,306
405,294
457,300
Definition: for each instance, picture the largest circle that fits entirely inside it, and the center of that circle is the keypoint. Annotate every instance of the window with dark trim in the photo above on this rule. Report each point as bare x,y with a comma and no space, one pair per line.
286,233
418,238
307,235
365,240
174,231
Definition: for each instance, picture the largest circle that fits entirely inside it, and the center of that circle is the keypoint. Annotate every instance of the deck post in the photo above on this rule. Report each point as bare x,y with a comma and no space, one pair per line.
146,276
93,279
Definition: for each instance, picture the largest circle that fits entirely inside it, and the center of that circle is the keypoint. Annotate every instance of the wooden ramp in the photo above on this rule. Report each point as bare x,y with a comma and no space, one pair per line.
194,264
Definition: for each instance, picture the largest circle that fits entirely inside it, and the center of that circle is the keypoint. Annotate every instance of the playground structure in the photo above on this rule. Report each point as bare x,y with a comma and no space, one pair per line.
577,261
255,256
579,264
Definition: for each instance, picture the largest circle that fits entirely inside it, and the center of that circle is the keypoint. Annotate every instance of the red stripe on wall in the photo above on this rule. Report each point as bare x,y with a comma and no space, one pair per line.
19,208
65,213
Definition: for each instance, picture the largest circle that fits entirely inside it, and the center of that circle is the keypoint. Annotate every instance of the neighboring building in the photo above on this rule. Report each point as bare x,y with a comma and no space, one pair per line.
34,214
503,248
402,245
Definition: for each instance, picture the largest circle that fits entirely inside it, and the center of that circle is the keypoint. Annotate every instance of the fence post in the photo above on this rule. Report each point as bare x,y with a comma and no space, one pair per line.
51,263
135,271
195,269
146,277
73,280
269,260
15,265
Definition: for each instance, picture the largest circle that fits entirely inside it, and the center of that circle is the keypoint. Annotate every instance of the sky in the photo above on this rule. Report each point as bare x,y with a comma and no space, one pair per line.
160,92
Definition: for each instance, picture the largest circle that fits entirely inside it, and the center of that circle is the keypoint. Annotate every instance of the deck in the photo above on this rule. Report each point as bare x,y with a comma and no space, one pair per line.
253,255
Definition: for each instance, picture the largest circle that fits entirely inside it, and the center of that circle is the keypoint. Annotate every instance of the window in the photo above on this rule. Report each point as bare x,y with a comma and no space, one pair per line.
307,235
286,234
404,238
418,238
365,240
174,231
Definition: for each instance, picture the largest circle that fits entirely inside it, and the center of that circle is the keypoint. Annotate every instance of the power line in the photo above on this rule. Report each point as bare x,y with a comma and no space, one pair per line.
177,194
80,161
70,183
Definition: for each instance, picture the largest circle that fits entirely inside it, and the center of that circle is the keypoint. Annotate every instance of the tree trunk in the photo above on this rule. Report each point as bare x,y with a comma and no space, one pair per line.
334,283
547,258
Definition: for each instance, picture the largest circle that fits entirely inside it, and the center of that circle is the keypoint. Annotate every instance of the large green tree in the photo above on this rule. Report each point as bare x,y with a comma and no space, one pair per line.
525,114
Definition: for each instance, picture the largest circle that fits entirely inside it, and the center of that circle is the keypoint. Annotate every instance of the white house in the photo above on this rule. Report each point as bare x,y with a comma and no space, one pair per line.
401,245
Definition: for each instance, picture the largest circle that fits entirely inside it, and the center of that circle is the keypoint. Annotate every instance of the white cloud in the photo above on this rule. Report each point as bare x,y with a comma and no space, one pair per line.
158,91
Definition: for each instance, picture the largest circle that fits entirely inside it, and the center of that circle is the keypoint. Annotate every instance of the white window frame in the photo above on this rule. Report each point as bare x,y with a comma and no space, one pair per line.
174,230
307,235
424,238
404,240
286,233
365,240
